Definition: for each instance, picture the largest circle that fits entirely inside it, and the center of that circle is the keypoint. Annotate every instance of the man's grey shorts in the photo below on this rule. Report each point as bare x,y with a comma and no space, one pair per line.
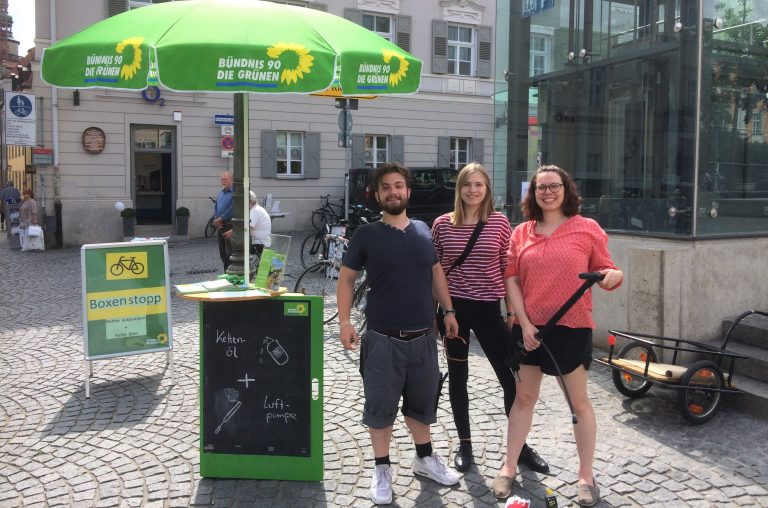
392,368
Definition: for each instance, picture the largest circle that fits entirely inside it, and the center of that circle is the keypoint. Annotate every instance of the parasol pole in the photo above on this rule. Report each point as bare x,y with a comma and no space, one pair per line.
239,193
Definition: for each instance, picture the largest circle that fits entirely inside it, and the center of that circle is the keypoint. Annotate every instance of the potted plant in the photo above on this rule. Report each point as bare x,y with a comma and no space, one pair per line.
182,219
129,220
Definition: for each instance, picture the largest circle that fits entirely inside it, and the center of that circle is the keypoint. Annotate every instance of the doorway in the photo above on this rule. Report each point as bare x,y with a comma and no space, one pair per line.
153,173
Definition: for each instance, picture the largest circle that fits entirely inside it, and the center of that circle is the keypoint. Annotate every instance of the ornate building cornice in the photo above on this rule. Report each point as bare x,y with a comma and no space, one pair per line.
384,6
462,11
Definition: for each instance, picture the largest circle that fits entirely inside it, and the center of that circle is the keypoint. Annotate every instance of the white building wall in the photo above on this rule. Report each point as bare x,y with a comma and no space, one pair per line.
90,184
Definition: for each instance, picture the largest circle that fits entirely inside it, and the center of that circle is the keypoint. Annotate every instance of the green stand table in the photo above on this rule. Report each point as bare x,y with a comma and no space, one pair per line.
261,378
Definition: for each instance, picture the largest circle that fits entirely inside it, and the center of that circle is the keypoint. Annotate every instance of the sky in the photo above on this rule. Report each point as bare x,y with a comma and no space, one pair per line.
23,14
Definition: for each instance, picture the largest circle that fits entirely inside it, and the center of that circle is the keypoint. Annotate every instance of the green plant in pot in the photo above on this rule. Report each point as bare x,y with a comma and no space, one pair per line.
129,220
182,220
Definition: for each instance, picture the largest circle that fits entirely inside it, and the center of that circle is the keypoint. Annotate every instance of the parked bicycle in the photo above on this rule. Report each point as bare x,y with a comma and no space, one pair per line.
210,227
314,247
321,279
328,213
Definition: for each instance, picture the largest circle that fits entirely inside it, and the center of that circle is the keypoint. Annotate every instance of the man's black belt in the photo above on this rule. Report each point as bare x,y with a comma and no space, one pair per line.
404,334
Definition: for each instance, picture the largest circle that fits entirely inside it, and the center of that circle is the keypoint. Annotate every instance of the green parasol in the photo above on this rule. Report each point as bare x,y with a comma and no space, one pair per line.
232,46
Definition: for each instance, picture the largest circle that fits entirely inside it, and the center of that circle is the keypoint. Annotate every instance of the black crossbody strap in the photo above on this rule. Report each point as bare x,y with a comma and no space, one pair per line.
468,248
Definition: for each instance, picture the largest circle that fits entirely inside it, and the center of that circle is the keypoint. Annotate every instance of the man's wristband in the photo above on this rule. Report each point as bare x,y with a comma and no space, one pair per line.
449,311
510,314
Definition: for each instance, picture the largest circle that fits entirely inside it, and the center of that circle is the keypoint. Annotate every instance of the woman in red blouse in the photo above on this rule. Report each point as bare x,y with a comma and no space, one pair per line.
477,288
546,255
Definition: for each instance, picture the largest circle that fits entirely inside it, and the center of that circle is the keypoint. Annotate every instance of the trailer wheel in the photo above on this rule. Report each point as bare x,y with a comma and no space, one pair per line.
628,384
699,395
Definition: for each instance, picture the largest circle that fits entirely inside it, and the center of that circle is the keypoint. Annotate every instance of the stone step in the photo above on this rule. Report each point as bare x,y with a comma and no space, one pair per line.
754,400
750,330
756,366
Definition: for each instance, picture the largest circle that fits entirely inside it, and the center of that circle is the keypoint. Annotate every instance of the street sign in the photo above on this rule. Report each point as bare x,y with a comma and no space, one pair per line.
227,130
345,121
227,143
20,119
224,119
42,156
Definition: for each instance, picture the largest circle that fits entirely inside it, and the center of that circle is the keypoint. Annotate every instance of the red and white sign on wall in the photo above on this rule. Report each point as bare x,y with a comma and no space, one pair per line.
227,140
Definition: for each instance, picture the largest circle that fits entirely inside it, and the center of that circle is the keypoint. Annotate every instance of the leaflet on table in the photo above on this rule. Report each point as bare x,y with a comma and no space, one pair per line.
204,287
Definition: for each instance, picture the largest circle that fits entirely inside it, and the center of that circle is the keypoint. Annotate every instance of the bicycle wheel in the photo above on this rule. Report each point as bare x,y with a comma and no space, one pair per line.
359,300
319,280
313,249
210,229
319,219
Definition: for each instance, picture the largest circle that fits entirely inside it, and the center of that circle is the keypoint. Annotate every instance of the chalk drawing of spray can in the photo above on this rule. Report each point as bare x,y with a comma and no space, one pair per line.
275,350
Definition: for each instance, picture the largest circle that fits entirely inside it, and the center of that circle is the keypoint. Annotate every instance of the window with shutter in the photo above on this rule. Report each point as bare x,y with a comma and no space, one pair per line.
403,32
358,151
439,46
484,39
268,156
116,7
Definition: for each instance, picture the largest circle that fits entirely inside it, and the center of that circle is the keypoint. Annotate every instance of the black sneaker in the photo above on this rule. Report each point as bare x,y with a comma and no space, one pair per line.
531,459
463,458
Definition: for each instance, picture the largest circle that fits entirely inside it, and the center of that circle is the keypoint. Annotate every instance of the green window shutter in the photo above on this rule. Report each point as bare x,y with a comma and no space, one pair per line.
443,152
397,153
439,46
318,7
354,15
477,150
116,7
312,155
484,40
268,156
358,151
403,32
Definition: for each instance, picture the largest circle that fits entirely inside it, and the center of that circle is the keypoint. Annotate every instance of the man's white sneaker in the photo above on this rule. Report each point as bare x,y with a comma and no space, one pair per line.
381,484
434,467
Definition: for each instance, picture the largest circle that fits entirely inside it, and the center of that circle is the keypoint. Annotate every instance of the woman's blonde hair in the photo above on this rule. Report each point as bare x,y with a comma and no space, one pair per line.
486,207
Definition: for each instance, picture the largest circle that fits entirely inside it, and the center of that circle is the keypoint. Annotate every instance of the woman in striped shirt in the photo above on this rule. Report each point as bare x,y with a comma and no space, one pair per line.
476,287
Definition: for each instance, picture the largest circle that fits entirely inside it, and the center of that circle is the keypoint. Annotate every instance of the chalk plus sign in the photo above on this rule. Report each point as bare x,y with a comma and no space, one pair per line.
246,379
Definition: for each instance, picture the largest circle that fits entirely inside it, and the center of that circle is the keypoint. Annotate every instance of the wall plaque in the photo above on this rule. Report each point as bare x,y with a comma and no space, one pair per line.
93,140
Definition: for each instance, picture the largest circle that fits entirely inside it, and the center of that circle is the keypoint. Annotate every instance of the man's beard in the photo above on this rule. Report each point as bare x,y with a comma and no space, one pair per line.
394,208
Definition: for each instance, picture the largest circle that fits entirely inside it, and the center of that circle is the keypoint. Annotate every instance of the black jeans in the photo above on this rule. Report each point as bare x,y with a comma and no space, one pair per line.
225,245
485,319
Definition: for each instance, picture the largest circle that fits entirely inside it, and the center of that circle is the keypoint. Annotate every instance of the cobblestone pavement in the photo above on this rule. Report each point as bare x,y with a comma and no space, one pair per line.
135,441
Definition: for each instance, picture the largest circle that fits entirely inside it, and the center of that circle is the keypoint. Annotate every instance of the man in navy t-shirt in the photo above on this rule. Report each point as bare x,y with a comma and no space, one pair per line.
399,353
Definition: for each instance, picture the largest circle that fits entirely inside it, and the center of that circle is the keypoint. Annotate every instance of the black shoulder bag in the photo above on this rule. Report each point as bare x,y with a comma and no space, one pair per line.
459,260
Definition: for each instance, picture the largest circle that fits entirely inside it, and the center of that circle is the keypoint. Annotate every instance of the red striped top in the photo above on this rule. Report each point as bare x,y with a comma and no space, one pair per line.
548,268
481,275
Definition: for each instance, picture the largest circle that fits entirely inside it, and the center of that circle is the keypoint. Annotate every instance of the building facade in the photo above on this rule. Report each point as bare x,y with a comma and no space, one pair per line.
657,108
157,150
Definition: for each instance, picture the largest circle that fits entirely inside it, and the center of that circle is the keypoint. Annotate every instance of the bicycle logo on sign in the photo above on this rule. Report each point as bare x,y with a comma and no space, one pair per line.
126,263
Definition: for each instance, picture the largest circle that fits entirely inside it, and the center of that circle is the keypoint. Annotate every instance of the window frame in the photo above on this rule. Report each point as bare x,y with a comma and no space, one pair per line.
373,148
288,159
454,151
390,36
457,45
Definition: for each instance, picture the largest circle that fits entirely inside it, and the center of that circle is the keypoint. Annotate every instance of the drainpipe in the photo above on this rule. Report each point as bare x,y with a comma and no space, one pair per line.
55,135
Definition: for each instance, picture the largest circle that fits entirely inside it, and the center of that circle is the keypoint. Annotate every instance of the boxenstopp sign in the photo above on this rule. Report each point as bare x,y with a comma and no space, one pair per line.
126,307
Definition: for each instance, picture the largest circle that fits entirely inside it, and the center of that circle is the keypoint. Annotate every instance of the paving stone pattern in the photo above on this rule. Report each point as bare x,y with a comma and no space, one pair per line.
135,441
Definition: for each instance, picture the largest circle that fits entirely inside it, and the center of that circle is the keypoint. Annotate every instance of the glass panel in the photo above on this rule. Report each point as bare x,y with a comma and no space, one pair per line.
382,24
605,95
368,21
166,138
453,33
465,34
145,138
733,172
282,168
465,68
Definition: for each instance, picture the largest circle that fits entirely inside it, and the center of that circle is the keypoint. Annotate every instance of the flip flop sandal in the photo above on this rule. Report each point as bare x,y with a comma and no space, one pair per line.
502,486
589,495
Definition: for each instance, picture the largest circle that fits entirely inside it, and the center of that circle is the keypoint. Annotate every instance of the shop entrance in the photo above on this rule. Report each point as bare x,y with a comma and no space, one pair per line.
153,173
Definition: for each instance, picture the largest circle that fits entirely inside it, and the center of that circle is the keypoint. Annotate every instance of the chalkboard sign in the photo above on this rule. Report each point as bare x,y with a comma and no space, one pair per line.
261,386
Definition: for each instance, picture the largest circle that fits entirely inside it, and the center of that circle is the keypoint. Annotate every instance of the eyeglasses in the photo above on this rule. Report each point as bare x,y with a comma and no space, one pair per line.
554,188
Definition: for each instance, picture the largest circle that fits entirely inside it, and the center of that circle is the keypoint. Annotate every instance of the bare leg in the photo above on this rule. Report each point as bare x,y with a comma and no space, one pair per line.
585,432
419,431
521,416
380,439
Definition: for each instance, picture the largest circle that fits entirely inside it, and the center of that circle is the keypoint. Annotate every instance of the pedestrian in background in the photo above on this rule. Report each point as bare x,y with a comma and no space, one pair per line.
476,285
260,226
546,255
399,352
28,216
223,217
8,192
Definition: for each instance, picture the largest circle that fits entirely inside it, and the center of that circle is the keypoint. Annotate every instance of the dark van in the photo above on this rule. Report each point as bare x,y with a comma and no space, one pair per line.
432,191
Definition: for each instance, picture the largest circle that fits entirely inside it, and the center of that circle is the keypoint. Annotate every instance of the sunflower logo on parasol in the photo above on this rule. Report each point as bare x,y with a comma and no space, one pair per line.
295,60
402,70
129,70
